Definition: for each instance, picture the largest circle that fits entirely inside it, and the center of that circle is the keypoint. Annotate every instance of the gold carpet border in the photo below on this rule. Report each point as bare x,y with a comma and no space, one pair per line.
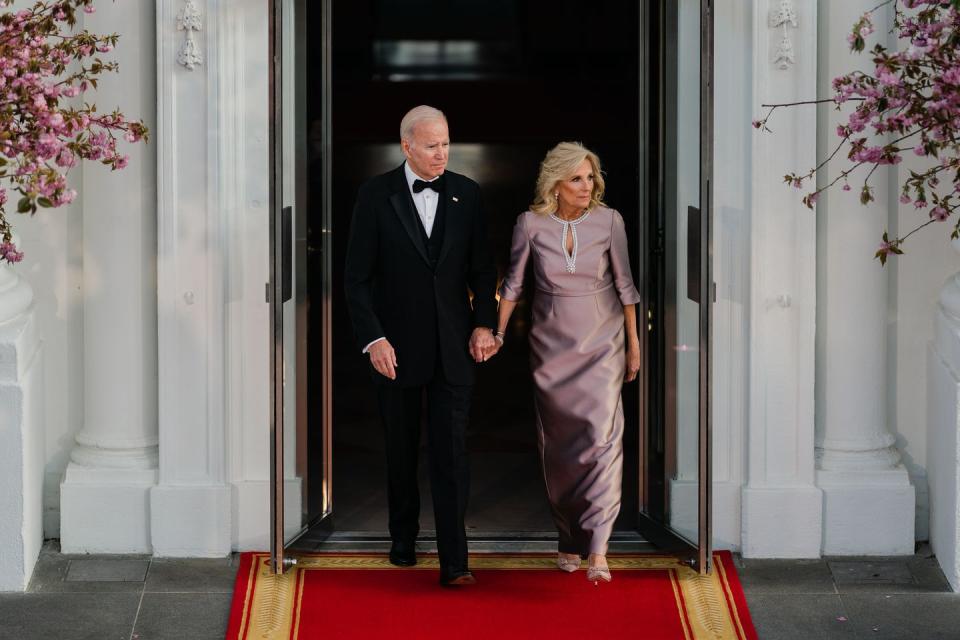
479,561
276,598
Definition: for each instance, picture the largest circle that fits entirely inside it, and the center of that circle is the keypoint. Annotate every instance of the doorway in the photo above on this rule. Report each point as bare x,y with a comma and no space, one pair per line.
511,89
514,77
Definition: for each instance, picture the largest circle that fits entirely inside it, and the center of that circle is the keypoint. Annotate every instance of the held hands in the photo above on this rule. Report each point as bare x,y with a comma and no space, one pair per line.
483,345
384,359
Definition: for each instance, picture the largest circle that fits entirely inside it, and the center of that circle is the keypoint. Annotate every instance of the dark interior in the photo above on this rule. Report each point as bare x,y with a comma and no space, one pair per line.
514,77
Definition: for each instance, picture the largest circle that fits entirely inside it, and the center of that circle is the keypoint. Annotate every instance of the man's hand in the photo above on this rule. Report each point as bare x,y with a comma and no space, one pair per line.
482,344
383,358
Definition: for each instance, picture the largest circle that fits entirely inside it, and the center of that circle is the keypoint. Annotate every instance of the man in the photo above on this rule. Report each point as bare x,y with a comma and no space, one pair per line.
417,248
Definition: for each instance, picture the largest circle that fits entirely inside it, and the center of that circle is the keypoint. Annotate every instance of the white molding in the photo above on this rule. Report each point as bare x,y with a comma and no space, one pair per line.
191,292
190,270
780,463
188,21
784,16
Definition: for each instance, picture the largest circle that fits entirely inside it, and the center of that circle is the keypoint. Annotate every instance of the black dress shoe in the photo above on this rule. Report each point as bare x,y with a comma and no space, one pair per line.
403,554
456,578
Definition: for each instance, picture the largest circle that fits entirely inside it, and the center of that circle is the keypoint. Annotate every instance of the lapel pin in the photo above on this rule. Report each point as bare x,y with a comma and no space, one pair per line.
454,198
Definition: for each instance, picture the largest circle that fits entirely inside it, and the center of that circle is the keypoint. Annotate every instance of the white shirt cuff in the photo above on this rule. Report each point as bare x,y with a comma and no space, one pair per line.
367,348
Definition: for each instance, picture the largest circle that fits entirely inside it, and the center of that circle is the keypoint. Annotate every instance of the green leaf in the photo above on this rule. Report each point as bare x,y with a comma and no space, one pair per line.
24,205
44,202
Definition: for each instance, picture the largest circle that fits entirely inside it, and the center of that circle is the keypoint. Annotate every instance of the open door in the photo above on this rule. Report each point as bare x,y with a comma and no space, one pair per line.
674,270
676,279
301,396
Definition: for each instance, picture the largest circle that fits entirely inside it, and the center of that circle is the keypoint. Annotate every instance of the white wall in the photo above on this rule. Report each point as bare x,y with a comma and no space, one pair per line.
916,279
52,242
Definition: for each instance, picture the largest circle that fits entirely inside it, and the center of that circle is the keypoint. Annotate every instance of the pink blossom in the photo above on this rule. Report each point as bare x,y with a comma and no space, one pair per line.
8,252
44,139
66,158
939,213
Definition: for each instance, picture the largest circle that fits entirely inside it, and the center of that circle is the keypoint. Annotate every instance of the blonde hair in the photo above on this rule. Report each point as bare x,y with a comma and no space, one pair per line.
559,164
415,116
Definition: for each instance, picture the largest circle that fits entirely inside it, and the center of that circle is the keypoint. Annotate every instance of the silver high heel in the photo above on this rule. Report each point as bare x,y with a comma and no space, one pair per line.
595,573
568,565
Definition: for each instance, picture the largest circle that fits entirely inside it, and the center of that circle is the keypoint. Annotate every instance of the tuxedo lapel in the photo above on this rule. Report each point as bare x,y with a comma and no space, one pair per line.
402,204
452,219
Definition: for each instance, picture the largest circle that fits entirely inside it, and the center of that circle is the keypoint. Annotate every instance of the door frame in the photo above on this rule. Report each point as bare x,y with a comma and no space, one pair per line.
655,392
651,277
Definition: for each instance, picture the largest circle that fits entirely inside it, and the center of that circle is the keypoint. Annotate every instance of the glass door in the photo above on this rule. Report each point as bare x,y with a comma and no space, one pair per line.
300,429
676,278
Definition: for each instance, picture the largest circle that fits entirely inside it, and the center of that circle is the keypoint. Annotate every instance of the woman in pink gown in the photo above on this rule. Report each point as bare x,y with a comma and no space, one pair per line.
583,312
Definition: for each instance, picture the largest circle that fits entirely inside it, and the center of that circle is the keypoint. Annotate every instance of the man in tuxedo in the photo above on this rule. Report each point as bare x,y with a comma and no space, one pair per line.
416,252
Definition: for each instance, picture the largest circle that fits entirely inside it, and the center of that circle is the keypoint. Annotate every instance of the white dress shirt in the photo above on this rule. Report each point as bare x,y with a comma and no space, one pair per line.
426,203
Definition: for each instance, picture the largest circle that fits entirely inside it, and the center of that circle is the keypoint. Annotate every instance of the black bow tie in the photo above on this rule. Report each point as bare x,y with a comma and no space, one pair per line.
437,185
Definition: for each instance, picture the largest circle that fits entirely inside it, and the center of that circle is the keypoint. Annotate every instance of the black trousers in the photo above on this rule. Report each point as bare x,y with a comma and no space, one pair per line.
448,408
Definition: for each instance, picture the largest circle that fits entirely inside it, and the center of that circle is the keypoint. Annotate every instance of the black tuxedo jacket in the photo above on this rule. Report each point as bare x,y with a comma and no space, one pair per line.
392,290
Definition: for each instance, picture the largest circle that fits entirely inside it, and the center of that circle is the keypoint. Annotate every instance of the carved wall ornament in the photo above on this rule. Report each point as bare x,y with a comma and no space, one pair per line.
784,17
188,21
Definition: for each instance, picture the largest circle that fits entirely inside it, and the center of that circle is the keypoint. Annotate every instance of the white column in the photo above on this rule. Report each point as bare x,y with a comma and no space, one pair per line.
781,506
104,495
868,498
21,432
943,430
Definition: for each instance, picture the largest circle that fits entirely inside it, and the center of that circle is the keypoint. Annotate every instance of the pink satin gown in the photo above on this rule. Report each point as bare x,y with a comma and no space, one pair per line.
578,361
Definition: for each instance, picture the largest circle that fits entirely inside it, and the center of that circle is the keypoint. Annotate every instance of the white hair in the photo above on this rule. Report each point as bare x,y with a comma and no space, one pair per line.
415,116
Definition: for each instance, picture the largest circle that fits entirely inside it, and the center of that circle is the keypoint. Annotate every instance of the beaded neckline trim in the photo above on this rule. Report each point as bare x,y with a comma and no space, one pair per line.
569,226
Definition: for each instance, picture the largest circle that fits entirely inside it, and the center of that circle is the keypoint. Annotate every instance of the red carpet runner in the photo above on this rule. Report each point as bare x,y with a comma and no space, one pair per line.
517,596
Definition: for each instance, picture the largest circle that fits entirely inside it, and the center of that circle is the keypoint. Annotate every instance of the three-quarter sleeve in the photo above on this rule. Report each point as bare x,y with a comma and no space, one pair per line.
512,286
620,262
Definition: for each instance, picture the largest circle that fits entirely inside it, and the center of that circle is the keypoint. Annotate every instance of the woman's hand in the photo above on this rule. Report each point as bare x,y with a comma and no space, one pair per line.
633,361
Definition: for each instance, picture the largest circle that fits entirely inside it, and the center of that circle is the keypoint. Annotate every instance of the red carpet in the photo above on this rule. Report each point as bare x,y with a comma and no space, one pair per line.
517,596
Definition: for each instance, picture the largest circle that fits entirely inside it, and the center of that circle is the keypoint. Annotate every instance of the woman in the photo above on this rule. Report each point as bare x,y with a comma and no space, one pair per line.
582,309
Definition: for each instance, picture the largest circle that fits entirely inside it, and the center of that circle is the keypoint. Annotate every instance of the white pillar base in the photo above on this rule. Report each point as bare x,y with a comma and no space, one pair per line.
190,521
781,522
867,512
725,514
105,510
251,528
22,454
